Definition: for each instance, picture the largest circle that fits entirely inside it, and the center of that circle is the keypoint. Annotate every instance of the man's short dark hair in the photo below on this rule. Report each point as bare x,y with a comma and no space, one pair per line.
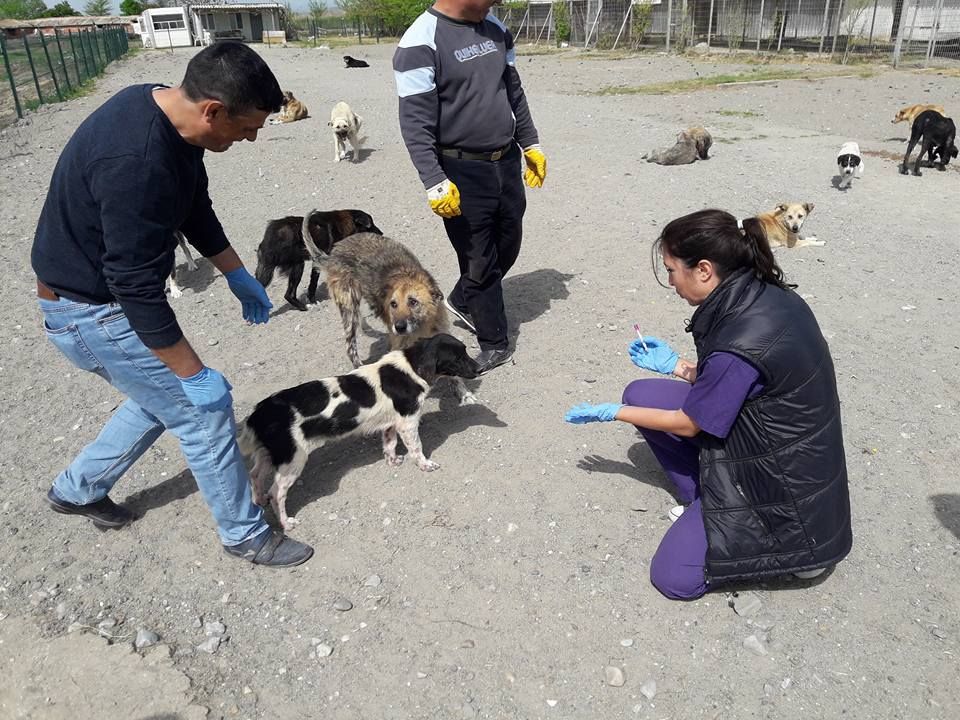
236,76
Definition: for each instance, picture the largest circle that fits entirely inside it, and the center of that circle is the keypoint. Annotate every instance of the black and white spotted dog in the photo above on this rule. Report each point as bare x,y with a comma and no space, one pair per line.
385,397
849,164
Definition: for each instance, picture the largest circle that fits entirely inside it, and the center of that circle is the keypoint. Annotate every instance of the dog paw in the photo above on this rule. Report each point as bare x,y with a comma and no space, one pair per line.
289,523
191,265
468,398
903,170
816,243
428,465
918,173
175,292
395,461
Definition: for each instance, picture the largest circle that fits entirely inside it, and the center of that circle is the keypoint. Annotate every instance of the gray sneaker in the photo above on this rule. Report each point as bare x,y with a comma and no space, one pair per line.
487,360
461,315
271,548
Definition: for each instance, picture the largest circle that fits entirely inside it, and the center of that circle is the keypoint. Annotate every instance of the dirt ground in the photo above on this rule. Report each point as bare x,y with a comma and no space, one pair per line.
509,580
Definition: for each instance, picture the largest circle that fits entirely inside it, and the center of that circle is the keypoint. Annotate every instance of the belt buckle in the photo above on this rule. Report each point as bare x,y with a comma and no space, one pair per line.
496,154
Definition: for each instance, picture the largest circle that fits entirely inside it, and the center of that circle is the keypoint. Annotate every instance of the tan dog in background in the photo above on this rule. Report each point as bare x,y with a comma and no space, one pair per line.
346,126
910,112
782,225
389,278
291,111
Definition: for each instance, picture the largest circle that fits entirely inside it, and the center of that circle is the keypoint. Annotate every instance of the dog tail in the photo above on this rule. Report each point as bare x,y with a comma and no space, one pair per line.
316,254
247,439
264,271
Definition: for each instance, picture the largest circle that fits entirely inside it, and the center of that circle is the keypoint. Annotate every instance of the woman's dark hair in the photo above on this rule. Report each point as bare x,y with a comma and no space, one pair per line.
714,235
236,76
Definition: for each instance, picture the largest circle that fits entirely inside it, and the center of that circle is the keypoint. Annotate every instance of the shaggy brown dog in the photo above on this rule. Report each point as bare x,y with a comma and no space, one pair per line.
291,111
910,112
782,226
389,278
692,144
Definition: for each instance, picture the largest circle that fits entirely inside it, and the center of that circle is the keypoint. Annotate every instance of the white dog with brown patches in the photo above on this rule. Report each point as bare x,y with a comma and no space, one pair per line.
346,126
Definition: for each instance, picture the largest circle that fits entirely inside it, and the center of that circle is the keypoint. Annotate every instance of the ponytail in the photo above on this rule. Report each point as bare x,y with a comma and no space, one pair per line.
762,262
717,236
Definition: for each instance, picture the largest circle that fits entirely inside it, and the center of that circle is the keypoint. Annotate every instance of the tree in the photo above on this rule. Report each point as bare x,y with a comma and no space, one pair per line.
22,9
97,7
61,9
131,7
316,8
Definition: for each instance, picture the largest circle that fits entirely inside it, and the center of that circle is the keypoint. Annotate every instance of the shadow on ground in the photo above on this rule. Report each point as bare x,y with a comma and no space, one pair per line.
947,509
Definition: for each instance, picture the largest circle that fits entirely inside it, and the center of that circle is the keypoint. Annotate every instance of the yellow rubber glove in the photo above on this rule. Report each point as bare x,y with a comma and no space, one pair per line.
536,171
444,199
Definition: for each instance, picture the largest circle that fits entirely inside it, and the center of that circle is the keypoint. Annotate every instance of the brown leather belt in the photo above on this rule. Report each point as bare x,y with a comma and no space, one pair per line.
46,293
465,155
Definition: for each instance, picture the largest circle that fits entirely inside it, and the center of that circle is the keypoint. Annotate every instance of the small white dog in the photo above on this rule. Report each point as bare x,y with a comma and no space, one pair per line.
849,164
346,126
175,290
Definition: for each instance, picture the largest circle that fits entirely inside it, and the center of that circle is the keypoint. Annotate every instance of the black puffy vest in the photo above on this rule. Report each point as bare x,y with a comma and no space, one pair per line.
774,491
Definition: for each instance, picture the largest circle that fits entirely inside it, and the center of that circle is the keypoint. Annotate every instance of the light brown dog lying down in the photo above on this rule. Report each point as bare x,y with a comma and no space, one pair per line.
291,111
782,225
692,144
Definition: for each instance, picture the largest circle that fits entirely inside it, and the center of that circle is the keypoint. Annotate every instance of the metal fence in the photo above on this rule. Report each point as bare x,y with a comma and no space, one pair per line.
910,31
40,68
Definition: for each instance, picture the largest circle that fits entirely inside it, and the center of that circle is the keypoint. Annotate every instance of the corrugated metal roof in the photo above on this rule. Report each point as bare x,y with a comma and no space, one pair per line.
77,21
236,6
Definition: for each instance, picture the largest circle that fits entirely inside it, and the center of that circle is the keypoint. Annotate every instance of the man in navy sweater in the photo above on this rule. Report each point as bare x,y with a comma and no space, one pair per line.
132,175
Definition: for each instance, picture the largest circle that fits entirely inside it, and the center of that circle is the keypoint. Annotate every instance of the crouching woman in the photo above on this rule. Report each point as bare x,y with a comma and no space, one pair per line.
751,438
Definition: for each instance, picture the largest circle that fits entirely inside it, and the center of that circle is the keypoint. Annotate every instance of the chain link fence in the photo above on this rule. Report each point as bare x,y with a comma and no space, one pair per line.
43,68
901,31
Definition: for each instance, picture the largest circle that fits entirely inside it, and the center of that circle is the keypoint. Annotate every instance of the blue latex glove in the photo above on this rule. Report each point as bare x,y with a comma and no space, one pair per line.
208,390
658,357
250,293
587,413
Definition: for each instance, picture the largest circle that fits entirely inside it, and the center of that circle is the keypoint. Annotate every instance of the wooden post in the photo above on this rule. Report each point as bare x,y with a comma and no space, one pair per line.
710,24
669,19
823,27
760,26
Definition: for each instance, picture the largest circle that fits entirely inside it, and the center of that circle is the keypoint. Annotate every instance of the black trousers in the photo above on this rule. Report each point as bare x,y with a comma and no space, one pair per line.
486,237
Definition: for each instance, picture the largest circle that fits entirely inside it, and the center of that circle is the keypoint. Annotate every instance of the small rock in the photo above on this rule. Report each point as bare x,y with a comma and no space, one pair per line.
74,626
214,628
372,581
755,645
145,638
421,675
767,689
614,676
468,710
638,508
247,690
649,689
211,342
197,622
210,645
225,598
468,644
342,604
61,610
324,650
552,703
938,633
785,685
745,604
627,642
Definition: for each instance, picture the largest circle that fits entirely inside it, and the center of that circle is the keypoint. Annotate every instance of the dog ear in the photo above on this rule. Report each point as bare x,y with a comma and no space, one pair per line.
782,207
808,207
330,123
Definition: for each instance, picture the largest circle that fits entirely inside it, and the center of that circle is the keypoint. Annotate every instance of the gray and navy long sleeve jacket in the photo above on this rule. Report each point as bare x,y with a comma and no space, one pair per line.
459,88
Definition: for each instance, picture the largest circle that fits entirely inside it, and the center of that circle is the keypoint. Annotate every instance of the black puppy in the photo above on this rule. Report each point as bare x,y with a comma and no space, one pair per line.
939,138
284,249
353,62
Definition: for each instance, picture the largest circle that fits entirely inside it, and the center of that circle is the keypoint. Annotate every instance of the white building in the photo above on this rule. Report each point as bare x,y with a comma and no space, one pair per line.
202,23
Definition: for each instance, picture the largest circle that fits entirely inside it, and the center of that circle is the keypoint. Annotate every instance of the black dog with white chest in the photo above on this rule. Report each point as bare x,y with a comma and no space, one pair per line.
939,135
354,63
284,249
385,397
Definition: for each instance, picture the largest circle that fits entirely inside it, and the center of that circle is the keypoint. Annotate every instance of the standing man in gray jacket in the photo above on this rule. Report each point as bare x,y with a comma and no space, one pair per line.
464,119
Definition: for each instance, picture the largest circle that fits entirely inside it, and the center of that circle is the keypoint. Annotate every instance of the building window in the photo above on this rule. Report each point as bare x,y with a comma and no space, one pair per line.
168,22
206,21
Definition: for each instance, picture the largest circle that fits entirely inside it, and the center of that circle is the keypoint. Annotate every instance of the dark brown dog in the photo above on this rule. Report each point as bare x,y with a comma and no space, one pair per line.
284,249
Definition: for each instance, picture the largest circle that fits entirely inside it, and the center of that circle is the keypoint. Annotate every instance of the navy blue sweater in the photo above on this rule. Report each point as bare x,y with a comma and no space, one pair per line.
124,183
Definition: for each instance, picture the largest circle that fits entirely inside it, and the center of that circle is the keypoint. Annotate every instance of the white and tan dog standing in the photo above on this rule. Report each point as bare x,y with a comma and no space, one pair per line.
346,126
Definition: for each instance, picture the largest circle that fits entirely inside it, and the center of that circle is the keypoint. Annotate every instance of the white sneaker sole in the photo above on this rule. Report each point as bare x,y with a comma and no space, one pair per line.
459,316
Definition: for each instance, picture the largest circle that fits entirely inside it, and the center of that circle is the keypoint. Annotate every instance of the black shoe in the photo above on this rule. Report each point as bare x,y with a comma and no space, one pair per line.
271,548
461,315
104,513
487,360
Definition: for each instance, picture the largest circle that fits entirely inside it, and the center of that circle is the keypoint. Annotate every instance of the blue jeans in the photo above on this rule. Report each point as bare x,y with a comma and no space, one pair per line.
98,339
